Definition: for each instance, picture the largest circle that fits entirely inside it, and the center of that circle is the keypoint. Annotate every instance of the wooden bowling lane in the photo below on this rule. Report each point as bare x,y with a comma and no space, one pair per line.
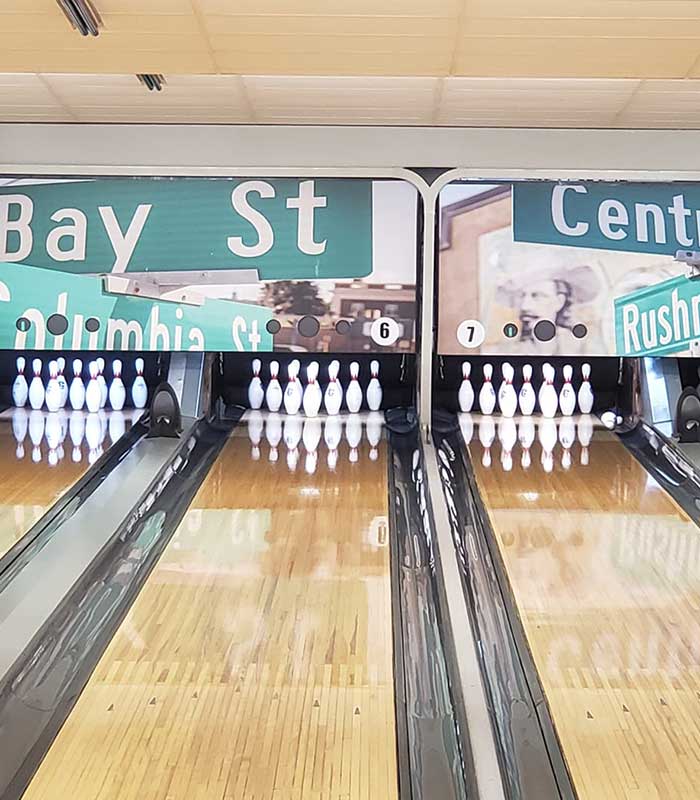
604,568
30,488
256,663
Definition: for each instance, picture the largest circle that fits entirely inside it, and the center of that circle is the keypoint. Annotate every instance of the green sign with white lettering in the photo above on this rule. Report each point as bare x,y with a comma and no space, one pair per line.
286,229
633,217
123,322
658,320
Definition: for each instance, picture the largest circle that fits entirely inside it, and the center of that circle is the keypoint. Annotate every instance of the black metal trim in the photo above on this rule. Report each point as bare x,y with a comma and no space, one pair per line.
532,763
40,692
431,760
16,558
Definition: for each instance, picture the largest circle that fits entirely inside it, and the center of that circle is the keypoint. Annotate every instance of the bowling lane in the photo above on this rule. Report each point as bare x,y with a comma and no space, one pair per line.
257,660
39,462
604,569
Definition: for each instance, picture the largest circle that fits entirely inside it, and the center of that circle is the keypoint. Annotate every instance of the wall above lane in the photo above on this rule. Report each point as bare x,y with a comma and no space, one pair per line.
510,152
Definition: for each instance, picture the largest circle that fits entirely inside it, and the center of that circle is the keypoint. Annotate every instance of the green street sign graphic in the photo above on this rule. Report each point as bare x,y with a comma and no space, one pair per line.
633,217
125,322
286,229
658,320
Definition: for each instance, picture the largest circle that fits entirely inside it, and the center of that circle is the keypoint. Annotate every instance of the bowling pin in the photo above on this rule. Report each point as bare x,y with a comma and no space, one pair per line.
353,396
104,391
549,400
76,428
36,387
293,393
487,433
20,390
117,391
353,434
333,396
312,397
374,433
465,396
139,389
273,395
93,393
527,397
507,436
293,428
77,387
567,396
62,382
487,396
585,392
507,398
567,437
256,393
20,423
332,436
313,430
256,423
273,433
374,388
53,389
36,433
548,439
526,437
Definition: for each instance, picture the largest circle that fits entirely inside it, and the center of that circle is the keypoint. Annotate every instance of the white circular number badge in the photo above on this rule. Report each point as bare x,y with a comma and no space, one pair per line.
471,333
384,331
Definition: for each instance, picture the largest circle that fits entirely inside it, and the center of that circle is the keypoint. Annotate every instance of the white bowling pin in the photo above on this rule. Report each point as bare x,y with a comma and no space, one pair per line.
374,388
585,392
293,393
62,382
332,436
93,393
76,427
353,434
548,397
527,397
487,433
313,430
273,433
273,395
256,393
256,424
507,436
139,389
36,432
526,437
374,433
567,437
117,391
353,396
53,389
548,439
77,387
20,390
20,423
567,396
313,396
507,398
487,395
36,387
104,391
333,396
465,396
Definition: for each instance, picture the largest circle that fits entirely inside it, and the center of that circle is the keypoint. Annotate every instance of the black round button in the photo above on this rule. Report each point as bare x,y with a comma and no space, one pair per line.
57,324
510,330
342,327
579,330
273,326
544,330
23,324
308,327
92,324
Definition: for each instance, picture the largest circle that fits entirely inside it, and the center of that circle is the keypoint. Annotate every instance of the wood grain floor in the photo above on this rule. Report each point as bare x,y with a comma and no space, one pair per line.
605,571
256,663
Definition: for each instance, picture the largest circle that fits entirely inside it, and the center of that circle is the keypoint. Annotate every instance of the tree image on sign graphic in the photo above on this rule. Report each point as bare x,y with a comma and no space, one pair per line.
294,297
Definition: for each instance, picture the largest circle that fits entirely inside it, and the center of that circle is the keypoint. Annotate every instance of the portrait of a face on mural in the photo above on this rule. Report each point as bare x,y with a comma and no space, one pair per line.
485,274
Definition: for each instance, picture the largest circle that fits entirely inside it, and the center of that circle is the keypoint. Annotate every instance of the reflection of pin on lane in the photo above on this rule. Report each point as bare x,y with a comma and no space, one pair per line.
487,433
353,433
374,433
332,435
20,424
526,437
313,429
273,433
256,423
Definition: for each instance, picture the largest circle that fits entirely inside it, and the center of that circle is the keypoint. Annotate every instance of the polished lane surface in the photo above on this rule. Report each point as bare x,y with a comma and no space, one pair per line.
605,571
257,660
